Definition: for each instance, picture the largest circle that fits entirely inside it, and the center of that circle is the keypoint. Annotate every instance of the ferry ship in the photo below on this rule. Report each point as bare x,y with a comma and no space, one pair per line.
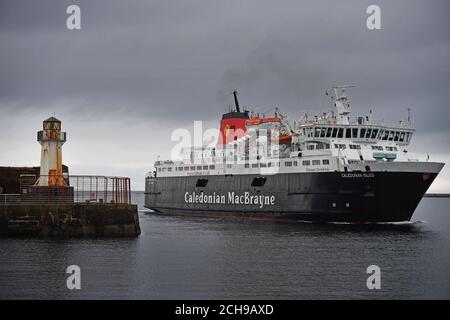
330,167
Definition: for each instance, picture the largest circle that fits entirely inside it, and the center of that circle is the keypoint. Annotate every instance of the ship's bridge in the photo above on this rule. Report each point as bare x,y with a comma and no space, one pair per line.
359,133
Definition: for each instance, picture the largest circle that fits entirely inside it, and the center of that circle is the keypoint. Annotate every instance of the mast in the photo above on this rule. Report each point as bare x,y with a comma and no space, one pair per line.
236,101
342,104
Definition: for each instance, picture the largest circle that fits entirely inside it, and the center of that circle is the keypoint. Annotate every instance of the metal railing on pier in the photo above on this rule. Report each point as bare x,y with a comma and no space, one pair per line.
30,189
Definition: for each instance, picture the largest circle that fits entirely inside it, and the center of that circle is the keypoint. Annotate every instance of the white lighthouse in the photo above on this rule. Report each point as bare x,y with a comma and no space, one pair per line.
51,140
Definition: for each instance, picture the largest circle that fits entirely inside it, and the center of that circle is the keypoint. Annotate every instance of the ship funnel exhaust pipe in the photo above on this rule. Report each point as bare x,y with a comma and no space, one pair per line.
236,101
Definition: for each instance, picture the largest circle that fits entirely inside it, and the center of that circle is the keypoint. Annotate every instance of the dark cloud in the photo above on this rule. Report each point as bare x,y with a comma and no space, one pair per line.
176,61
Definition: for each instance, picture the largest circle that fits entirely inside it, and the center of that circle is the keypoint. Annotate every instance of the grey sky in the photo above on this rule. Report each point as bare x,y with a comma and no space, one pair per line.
140,69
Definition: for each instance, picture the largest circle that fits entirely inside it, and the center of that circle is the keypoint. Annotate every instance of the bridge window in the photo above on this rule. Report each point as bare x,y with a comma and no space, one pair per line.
334,132
348,133
354,132
322,134
391,135
329,130
340,133
316,132
362,133
374,133
386,135
397,136
368,132
402,137
380,134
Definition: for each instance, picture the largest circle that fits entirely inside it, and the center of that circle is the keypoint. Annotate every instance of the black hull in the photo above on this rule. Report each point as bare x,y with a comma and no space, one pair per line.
356,197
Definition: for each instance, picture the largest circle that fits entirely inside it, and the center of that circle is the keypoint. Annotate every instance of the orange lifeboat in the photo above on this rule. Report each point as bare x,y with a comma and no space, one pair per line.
258,121
284,139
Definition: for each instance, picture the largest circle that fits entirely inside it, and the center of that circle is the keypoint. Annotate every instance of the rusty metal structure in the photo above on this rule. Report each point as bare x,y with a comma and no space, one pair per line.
51,139
75,189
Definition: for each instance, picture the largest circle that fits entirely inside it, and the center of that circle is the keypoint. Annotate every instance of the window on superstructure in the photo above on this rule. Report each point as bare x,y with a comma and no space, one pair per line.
319,146
362,133
334,132
379,148
295,163
159,169
386,135
193,168
348,133
340,146
247,165
212,167
288,164
316,162
322,134
169,169
263,165
354,132
317,132
306,162
254,165
340,133
374,133
368,132
186,168
310,147
329,131
228,166
391,135
397,136
402,137
325,162
180,168
355,146
408,136
199,167
380,134
205,167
